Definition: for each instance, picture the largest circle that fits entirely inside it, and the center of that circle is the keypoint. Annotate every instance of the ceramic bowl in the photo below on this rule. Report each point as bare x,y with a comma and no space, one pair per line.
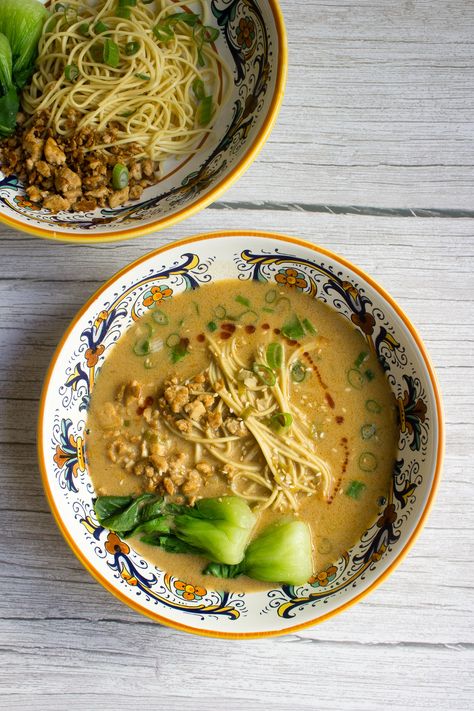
252,40
187,265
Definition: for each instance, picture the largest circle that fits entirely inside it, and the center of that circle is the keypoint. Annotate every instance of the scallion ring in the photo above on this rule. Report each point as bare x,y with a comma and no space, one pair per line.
142,347
281,422
160,317
264,374
275,355
173,340
132,48
71,72
298,372
120,176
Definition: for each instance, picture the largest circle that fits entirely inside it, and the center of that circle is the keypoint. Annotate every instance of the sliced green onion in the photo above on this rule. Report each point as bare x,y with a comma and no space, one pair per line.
143,77
149,364
127,114
308,327
173,340
268,311
293,328
124,12
120,176
127,3
142,347
71,72
189,18
100,27
160,317
355,489
70,15
360,359
84,29
204,111
163,32
212,326
204,33
373,406
264,374
132,48
281,422
249,316
179,351
111,54
275,355
367,462
242,300
210,34
270,296
298,372
367,431
369,374
220,312
145,329
198,88
355,379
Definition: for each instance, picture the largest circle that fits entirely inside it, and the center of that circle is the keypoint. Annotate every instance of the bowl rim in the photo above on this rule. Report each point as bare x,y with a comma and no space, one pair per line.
236,172
439,451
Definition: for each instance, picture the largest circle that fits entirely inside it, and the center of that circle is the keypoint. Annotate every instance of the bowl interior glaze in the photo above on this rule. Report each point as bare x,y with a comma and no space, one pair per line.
188,265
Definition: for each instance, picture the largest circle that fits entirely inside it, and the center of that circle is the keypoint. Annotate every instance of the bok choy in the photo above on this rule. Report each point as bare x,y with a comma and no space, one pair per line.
216,528
21,24
21,21
9,102
281,554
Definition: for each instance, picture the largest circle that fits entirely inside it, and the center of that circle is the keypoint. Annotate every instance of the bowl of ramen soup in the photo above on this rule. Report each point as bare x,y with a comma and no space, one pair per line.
121,118
240,434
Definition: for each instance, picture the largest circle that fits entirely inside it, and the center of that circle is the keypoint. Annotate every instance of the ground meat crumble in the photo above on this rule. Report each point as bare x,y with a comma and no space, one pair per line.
66,173
151,452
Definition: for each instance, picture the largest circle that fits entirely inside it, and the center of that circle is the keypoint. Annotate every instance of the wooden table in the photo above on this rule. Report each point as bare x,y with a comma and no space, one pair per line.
373,157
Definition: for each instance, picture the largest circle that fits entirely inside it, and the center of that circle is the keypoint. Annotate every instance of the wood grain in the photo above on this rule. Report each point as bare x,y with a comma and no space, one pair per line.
378,107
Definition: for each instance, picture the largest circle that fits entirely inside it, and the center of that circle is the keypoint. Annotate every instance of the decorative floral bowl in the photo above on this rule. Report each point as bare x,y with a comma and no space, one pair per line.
187,265
252,41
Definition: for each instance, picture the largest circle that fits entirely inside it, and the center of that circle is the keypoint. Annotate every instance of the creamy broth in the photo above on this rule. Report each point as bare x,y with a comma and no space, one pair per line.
344,395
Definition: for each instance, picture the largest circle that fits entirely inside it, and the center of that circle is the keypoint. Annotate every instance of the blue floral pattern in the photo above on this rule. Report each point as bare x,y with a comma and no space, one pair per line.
247,258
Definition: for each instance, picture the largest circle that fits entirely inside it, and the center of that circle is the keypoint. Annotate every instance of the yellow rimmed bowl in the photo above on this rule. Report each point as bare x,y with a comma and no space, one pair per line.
187,265
252,41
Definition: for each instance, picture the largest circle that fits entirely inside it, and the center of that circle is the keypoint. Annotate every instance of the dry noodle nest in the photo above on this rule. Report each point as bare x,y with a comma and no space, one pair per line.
148,95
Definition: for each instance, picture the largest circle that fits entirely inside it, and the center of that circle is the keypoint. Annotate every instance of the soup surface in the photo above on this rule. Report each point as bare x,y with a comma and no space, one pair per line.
158,421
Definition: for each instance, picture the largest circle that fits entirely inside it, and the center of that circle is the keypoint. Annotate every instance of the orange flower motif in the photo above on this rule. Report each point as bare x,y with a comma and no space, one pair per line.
100,318
291,278
323,578
189,592
246,32
156,294
92,355
115,545
24,202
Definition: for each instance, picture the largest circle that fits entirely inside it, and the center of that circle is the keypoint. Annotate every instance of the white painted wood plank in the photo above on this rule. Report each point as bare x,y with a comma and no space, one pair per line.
378,107
110,665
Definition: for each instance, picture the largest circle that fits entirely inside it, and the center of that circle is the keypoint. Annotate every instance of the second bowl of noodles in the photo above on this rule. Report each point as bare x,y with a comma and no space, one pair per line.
136,115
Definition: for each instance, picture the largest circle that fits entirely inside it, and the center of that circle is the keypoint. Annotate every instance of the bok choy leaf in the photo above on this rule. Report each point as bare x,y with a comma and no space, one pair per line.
21,21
